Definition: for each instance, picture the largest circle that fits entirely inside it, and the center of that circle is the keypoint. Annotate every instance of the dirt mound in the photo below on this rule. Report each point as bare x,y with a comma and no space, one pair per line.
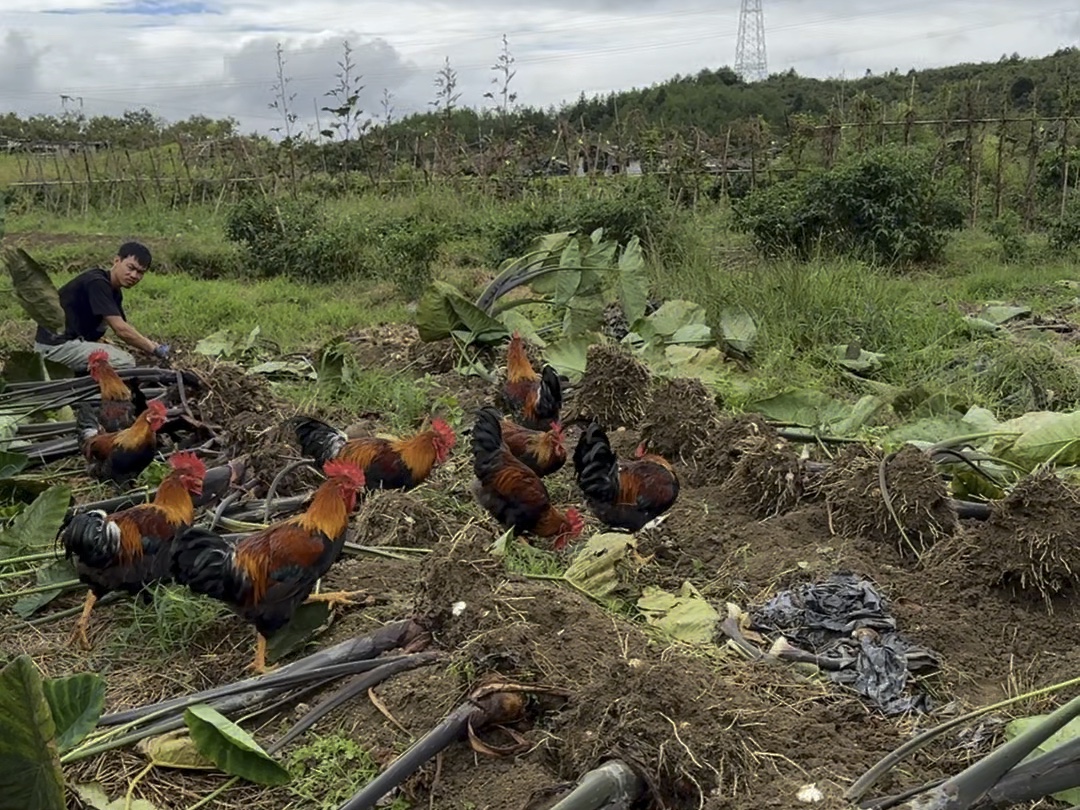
385,346
766,477
722,444
1028,546
394,518
898,499
681,416
614,389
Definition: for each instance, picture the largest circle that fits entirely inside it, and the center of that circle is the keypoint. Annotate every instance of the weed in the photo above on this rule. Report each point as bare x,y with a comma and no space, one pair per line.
330,769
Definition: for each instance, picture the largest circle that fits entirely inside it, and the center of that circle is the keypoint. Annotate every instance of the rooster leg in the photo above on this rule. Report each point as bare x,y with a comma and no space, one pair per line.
84,621
259,664
336,597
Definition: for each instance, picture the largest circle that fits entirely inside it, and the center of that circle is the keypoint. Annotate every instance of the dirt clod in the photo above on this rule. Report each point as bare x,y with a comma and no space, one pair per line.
920,512
394,518
614,389
681,417
766,477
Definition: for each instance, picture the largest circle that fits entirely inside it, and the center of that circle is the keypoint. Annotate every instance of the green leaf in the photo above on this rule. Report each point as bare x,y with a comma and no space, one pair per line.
676,313
1043,435
739,330
999,314
981,324
54,572
707,364
12,463
304,625
219,344
633,281
515,321
231,748
585,313
806,407
594,568
1070,731
34,290
25,366
30,775
855,358
174,749
981,420
76,702
686,616
36,526
92,794
568,355
435,320
692,334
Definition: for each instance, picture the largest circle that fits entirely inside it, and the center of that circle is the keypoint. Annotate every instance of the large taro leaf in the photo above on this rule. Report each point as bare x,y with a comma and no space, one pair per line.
93,795
515,321
35,528
568,355
443,310
34,290
12,463
76,702
633,281
231,748
174,749
1041,437
594,568
817,410
304,625
1071,730
685,616
56,572
30,775
739,330
674,315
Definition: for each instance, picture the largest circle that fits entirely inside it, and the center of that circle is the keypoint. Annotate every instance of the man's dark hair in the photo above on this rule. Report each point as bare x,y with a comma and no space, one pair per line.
136,250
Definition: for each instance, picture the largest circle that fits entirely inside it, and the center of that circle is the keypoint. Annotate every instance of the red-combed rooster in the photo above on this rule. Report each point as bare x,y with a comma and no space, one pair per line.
534,399
513,494
624,495
543,452
120,456
120,401
387,463
129,549
265,576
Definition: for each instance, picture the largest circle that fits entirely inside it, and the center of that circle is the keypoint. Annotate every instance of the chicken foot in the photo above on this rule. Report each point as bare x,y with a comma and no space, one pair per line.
258,665
84,621
340,598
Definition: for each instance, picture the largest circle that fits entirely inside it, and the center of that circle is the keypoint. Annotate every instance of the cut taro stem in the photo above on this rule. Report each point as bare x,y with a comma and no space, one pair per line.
612,786
493,704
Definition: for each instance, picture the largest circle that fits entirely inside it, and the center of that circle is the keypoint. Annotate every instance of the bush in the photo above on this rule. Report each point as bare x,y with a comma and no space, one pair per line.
1065,231
203,260
883,205
1012,246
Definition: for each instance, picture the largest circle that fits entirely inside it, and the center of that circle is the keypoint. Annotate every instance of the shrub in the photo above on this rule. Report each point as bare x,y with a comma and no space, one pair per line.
1065,231
1012,246
883,205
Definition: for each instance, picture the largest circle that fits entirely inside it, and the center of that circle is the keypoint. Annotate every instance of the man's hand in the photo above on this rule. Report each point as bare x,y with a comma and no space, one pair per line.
162,351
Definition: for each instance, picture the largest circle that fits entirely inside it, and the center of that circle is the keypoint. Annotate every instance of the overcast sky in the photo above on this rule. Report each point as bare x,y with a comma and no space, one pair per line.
216,57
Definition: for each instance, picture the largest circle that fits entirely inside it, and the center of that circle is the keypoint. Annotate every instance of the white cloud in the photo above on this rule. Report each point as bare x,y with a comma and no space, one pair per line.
216,57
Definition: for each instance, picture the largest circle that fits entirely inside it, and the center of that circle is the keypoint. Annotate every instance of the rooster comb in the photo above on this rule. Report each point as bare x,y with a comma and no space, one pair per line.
575,521
188,463
444,432
338,468
97,356
156,407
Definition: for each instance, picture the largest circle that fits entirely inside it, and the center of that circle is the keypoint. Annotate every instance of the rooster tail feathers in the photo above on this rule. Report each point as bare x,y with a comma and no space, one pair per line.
91,538
138,398
317,439
204,561
596,465
86,422
549,399
487,441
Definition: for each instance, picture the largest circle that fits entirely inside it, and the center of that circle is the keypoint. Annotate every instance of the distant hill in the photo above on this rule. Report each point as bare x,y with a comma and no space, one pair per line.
713,99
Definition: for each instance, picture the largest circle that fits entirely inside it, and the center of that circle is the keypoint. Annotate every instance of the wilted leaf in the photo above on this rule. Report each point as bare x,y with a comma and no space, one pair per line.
291,368
302,627
686,616
981,324
174,749
34,290
218,344
30,775
36,526
92,794
1070,731
567,356
1043,435
55,572
633,281
739,330
674,314
594,568
855,358
707,364
76,702
231,748
999,314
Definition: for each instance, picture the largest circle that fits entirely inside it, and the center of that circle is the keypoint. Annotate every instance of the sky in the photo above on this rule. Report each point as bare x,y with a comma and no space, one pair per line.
217,57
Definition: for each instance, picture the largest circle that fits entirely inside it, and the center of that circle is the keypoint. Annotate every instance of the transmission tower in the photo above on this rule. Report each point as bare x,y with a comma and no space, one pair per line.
750,50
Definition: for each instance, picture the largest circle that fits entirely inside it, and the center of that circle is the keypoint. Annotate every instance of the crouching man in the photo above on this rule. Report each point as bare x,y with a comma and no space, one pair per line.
92,302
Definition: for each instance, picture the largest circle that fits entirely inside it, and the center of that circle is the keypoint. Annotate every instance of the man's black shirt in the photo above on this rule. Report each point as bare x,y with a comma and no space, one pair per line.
87,300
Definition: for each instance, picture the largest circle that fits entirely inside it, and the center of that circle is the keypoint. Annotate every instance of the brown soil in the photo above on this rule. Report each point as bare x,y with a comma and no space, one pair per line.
614,389
703,726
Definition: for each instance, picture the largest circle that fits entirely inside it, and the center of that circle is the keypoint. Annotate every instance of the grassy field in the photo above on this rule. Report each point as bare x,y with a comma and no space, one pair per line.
754,517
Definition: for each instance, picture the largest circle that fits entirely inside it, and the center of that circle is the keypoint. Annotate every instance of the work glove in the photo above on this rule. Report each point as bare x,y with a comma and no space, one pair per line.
162,351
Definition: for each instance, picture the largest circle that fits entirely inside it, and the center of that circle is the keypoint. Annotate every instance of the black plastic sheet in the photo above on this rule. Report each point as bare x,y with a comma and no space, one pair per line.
845,624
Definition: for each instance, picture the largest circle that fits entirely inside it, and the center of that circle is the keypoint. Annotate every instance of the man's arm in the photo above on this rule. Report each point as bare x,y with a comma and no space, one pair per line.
129,334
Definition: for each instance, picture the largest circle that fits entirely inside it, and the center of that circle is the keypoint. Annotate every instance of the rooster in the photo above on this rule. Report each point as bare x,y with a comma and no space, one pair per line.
265,576
128,550
512,493
624,495
543,452
386,463
121,455
533,399
120,400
